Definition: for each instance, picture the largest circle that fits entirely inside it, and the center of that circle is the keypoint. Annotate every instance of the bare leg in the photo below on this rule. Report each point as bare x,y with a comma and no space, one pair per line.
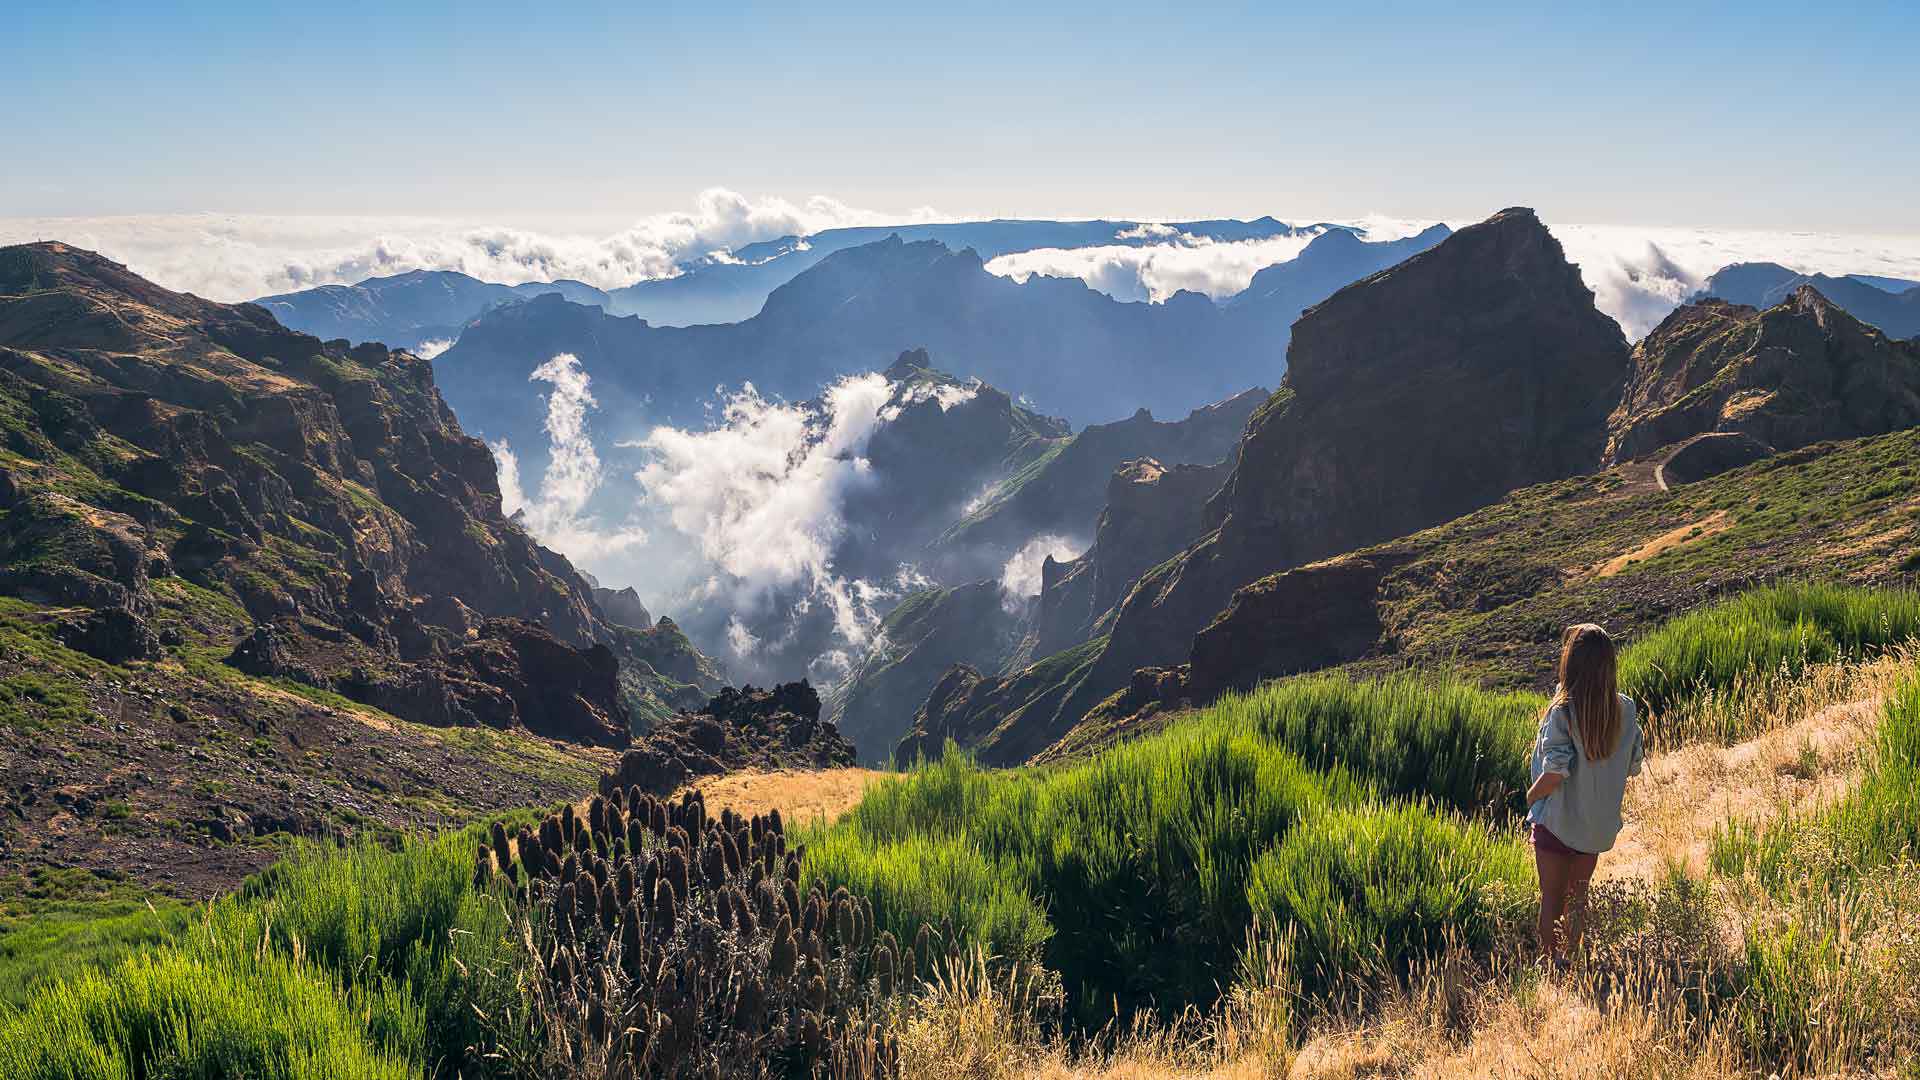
1580,876
1556,872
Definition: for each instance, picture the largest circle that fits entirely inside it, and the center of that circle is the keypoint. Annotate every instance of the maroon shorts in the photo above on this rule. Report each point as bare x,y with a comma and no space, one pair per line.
1544,840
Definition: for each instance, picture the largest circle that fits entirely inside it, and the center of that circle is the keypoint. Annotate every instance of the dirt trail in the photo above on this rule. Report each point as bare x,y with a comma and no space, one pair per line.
1680,797
803,796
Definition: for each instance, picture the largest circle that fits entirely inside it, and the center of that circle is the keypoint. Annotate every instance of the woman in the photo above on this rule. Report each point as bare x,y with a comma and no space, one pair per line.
1589,744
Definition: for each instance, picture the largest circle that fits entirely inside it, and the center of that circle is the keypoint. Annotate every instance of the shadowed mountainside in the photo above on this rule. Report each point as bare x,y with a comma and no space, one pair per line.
1411,397
1487,594
984,623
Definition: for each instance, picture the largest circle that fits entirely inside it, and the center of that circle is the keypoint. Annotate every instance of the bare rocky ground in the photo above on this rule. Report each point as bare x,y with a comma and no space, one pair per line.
183,776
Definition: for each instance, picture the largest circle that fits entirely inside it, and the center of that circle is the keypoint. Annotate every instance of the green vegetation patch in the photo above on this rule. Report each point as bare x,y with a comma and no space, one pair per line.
1783,628
1131,872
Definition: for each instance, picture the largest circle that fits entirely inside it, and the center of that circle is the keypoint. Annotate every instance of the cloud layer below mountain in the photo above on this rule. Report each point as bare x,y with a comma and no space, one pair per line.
1638,274
231,257
1154,272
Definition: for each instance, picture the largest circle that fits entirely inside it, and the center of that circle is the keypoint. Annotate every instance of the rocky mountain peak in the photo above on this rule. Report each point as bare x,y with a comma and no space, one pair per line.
1801,371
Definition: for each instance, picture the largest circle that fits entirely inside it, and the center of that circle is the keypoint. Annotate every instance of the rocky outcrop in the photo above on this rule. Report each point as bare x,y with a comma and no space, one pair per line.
738,729
513,674
1710,455
623,606
1303,619
1800,372
113,634
1152,512
1411,397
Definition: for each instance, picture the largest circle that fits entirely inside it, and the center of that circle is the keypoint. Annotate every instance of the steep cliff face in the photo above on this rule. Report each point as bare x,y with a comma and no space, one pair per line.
1063,492
1411,397
155,437
1152,512
1796,373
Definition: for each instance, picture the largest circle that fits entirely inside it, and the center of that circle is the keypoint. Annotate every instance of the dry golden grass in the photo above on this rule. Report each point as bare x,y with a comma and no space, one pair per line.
1621,1016
803,796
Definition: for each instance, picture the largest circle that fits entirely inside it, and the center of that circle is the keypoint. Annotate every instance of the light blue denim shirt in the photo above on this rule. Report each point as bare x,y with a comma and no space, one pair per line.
1584,812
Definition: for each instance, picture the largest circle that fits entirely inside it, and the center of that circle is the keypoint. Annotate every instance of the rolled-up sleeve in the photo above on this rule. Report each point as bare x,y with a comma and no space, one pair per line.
1555,748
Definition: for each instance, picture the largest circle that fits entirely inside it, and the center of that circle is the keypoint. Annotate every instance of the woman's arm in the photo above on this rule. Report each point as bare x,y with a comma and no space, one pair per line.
1545,786
1554,754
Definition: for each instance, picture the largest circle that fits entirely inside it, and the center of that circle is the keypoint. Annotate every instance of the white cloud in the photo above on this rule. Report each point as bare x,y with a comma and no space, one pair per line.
1639,275
761,495
512,498
432,347
1148,230
945,394
1020,579
1154,272
239,257
556,518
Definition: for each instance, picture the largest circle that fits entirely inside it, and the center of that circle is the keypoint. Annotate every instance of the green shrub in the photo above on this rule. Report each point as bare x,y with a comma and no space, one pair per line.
1411,736
402,954
1140,856
1781,628
191,1012
1368,889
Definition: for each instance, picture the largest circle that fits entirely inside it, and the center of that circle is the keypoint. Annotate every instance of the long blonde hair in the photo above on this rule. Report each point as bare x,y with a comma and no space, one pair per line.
1588,667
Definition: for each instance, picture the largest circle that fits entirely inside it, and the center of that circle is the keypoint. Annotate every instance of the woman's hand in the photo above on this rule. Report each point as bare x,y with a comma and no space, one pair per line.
1545,786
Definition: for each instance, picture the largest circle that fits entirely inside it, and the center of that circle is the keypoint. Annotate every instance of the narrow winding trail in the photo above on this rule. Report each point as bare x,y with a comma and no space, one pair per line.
1682,796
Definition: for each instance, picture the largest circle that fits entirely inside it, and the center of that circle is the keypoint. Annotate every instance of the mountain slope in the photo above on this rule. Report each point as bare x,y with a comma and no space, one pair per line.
215,532
1278,294
1153,511
1411,397
1056,495
1064,492
1487,594
405,311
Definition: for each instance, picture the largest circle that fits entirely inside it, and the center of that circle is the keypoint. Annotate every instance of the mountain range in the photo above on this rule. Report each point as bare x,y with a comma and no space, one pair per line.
1891,304
415,310
1414,397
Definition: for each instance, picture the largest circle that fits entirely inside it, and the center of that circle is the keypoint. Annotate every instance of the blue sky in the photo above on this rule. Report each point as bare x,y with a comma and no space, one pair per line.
1763,115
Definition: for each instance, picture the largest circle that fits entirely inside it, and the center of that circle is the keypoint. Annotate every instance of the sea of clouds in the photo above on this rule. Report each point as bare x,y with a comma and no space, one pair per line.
1638,273
230,257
